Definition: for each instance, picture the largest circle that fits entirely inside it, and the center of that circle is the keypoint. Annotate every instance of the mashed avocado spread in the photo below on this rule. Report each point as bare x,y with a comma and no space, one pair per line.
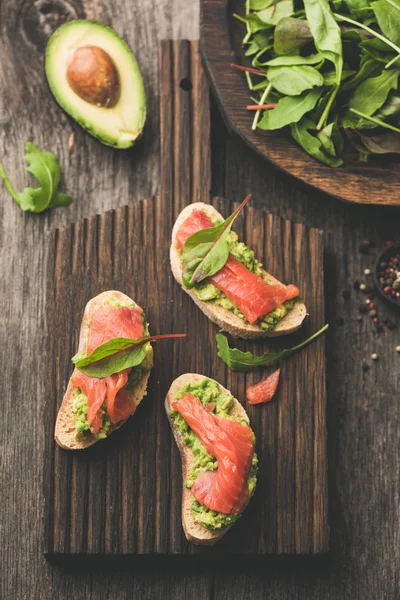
80,403
208,391
207,292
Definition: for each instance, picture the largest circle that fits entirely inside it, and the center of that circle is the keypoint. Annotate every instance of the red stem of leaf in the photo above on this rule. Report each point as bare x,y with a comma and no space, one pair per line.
245,201
249,70
261,106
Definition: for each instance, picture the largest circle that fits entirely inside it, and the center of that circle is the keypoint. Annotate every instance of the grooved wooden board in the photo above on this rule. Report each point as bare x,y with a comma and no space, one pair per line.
374,182
122,496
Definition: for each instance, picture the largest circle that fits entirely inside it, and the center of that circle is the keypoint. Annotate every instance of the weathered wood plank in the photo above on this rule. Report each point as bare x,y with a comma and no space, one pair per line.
362,407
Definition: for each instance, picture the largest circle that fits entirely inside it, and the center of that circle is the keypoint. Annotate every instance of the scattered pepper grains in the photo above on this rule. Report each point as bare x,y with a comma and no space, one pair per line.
389,275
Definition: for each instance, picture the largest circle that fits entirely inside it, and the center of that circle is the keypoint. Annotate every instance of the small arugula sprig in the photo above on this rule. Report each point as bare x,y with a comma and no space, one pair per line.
45,167
117,354
206,251
246,361
327,69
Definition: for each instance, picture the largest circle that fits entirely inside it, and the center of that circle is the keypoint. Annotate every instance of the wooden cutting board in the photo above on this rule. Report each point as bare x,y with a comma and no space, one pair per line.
123,495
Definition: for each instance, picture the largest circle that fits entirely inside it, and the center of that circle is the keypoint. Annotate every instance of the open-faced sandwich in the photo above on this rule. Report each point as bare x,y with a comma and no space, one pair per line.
106,392
226,281
219,464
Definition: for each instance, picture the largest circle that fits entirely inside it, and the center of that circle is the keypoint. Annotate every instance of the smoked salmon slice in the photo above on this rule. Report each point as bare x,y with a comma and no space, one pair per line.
248,291
110,322
224,490
106,323
264,390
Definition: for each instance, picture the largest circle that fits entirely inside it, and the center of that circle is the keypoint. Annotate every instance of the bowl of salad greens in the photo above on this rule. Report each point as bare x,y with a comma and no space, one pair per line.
314,85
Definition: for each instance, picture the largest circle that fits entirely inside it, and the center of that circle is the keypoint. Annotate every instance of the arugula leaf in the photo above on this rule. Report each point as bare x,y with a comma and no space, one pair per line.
311,144
330,77
290,109
387,14
367,68
328,41
331,139
326,32
372,93
45,167
116,354
274,13
206,251
237,360
287,61
359,8
294,80
290,35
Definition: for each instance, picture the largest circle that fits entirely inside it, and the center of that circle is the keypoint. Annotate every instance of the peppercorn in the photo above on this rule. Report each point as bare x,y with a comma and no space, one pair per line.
397,348
367,271
374,356
372,313
359,318
386,289
365,366
371,306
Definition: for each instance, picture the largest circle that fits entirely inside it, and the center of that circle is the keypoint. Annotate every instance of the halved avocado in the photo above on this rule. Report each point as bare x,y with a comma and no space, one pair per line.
95,78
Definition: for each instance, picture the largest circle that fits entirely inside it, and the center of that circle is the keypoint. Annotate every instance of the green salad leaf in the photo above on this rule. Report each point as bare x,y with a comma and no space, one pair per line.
387,14
116,354
290,109
237,360
294,80
206,251
45,167
329,71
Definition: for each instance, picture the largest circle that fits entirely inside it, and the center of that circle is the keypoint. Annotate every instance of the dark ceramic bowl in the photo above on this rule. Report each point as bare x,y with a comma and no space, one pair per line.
384,256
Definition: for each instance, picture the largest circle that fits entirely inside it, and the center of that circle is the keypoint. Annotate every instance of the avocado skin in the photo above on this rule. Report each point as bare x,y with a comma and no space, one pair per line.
66,98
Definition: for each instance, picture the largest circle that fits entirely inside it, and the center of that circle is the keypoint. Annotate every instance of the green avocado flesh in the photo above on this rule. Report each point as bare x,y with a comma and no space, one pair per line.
209,391
207,292
120,125
80,404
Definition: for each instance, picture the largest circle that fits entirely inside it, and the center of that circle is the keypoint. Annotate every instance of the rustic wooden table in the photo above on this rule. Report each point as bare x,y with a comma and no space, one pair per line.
363,426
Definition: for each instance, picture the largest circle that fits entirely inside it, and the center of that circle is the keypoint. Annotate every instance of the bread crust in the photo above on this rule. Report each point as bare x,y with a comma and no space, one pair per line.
194,532
226,319
65,429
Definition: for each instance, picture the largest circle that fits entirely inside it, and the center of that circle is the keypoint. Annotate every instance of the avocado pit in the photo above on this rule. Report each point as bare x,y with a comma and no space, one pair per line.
93,76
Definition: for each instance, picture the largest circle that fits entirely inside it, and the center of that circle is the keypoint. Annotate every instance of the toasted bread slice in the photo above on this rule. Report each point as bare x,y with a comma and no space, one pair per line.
195,533
65,430
226,319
